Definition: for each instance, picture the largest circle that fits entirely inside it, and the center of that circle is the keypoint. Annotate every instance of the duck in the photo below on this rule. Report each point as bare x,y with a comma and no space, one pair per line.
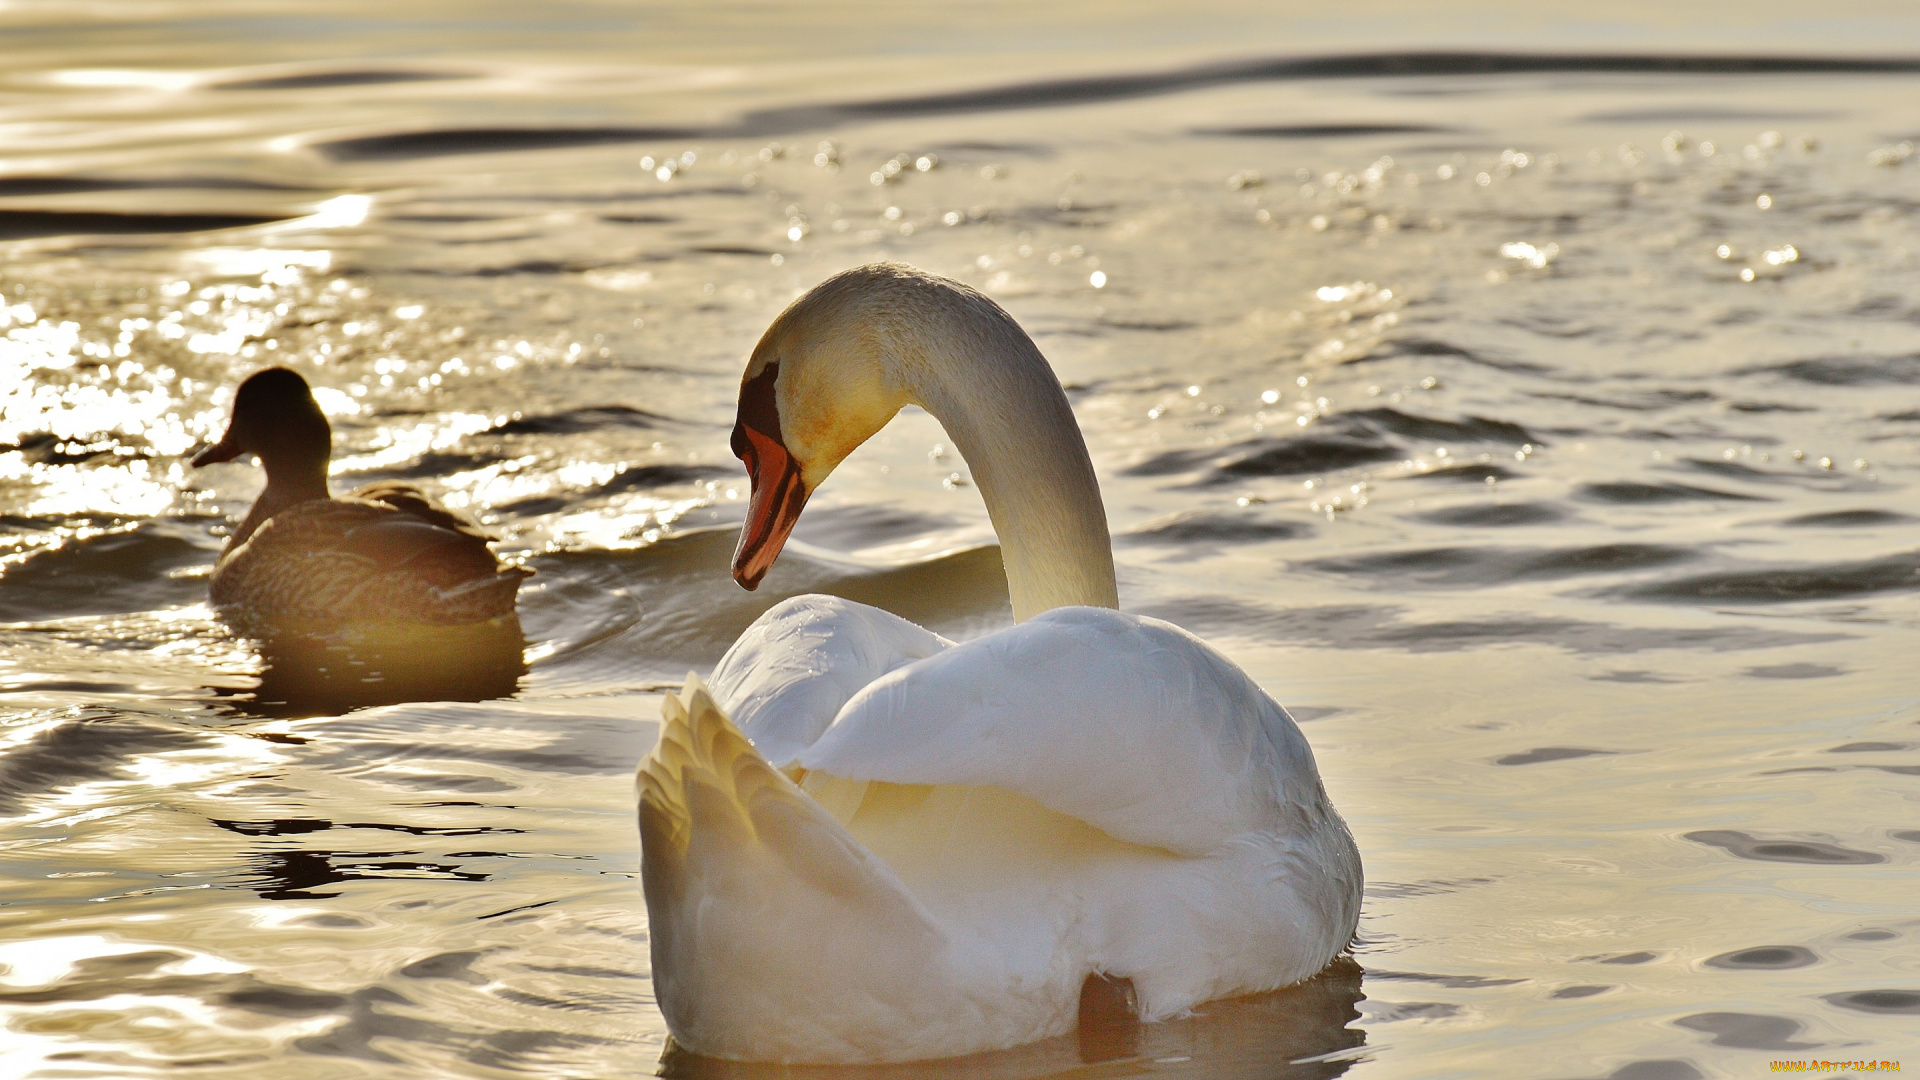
862,842
303,561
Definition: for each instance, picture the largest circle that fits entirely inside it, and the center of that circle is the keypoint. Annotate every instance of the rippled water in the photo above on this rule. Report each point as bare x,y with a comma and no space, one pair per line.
1542,430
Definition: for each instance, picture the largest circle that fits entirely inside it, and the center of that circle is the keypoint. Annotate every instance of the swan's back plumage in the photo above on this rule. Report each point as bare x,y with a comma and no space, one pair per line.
1090,791
1128,723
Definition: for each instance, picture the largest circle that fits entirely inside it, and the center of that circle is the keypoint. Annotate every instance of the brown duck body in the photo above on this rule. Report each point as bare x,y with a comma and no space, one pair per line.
306,562
383,554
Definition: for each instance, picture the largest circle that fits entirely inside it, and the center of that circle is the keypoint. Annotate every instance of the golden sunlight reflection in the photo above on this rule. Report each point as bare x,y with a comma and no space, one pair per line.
339,212
273,266
393,445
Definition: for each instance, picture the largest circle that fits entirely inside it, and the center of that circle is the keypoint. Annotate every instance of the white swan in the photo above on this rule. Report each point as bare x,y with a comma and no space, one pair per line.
927,848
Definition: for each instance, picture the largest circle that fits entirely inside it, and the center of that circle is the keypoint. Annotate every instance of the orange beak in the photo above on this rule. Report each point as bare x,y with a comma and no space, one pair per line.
778,496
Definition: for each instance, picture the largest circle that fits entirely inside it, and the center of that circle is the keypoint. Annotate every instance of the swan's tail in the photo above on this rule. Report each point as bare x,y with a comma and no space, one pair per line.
775,934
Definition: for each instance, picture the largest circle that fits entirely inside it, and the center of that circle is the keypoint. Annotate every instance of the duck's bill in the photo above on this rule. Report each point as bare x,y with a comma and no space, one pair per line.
779,494
224,450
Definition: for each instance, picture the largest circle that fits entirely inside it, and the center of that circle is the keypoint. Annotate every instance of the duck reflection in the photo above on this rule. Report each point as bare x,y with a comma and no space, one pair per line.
1269,1035
317,676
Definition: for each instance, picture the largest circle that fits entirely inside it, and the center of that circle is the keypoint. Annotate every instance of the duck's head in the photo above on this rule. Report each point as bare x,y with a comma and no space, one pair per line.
275,416
823,379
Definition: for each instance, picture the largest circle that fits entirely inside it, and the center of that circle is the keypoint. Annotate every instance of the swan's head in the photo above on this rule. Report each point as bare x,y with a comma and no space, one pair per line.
823,380
274,416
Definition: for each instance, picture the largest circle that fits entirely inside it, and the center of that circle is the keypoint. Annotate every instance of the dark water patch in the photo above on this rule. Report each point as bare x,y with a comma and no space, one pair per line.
648,477
730,249
1629,492
1292,456
1571,992
851,528
1815,480
1427,347
447,142
298,826
72,686
1867,747
1911,416
1549,753
1638,677
1457,982
1471,429
1795,671
1150,326
26,224
301,676
586,419
1911,836
302,875
1748,1031
46,448
516,909
1735,470
1847,370
1631,959
1341,441
1811,852
1205,529
1470,472
584,971
1321,131
1053,93
1883,1002
1632,401
433,464
1389,1012
1452,567
86,748
635,478
28,186
1765,958
1846,519
109,573
1878,935
1496,515
640,219
321,80
1067,214
1767,407
1786,584
1898,770
1355,626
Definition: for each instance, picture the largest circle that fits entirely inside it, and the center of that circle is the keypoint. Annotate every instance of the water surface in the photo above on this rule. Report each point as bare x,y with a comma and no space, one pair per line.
1540,428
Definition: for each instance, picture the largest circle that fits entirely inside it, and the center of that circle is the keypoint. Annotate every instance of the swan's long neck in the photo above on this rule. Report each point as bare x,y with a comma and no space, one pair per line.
988,385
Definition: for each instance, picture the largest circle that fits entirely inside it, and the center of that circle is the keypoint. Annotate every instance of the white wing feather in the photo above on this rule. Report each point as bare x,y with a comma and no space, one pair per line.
784,680
1125,722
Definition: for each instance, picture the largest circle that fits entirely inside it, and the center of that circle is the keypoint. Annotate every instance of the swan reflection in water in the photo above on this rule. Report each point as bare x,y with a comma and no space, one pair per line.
317,676
1299,1033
